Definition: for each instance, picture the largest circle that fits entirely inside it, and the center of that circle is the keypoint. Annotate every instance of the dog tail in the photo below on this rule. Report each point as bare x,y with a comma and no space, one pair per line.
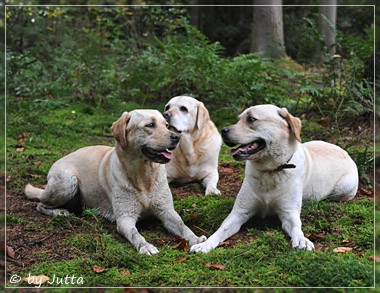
32,192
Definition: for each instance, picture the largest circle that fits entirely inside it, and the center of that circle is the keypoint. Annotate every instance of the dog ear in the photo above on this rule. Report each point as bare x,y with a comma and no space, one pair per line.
294,123
119,129
202,116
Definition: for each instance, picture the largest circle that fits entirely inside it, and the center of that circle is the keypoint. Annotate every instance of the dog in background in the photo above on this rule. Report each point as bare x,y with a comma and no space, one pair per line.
281,173
122,182
196,157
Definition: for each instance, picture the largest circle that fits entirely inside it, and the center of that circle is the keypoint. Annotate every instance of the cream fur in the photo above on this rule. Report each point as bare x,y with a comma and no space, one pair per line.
121,182
323,171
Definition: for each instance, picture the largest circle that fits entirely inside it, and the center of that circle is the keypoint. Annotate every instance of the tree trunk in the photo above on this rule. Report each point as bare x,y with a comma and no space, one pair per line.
267,29
195,14
327,25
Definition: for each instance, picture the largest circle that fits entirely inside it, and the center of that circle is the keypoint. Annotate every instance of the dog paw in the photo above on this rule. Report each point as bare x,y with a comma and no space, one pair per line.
302,242
212,190
148,249
204,247
197,240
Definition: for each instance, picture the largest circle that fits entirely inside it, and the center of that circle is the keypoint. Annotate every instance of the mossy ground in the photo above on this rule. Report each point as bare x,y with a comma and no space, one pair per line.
40,132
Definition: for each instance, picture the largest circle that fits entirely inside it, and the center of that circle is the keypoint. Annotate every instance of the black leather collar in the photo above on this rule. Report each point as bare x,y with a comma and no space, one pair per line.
285,166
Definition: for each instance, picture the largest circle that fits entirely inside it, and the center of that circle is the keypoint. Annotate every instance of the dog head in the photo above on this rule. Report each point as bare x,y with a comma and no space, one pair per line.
264,132
145,131
186,114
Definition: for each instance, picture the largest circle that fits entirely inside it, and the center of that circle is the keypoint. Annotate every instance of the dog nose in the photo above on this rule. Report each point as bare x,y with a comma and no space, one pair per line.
174,137
225,130
166,115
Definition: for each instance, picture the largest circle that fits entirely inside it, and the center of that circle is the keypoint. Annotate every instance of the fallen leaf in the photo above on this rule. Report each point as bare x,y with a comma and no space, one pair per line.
23,135
10,252
125,273
193,216
215,266
180,260
223,244
226,170
342,249
182,245
20,149
375,258
314,237
36,280
161,242
35,175
366,191
37,163
98,269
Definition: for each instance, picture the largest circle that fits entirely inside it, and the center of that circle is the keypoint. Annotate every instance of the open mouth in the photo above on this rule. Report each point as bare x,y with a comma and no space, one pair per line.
244,151
158,156
172,128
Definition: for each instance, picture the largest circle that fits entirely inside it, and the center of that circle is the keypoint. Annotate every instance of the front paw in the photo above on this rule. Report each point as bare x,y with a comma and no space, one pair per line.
147,249
197,240
301,242
212,190
204,247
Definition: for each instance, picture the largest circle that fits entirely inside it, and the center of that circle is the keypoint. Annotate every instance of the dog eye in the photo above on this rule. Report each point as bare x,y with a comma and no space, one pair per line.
250,119
183,109
167,107
150,125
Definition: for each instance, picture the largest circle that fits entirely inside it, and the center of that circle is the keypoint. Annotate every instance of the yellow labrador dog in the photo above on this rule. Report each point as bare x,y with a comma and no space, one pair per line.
196,157
121,182
281,172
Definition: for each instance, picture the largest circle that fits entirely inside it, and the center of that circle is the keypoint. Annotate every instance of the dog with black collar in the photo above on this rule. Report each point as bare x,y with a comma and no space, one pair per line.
281,173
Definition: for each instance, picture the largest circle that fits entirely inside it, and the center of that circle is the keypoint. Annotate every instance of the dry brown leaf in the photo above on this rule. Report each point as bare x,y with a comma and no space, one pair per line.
182,245
342,249
37,163
125,273
23,135
36,280
375,258
161,242
20,149
223,244
193,216
366,191
180,260
215,266
226,170
98,269
10,252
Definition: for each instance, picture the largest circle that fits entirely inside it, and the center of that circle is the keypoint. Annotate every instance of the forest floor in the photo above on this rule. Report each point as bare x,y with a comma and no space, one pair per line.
89,247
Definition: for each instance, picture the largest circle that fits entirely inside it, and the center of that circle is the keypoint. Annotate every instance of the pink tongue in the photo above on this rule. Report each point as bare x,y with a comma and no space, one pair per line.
243,149
167,155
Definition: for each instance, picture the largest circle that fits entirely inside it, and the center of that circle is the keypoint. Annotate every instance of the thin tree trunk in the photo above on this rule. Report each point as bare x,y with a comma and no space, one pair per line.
327,25
267,29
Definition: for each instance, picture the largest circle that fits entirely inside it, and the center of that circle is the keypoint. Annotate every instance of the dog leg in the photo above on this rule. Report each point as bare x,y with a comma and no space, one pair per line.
174,224
126,226
62,187
210,183
51,211
230,226
291,224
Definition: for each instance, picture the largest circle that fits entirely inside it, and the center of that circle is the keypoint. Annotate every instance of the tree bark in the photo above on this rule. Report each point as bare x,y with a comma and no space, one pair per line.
267,29
195,14
327,25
